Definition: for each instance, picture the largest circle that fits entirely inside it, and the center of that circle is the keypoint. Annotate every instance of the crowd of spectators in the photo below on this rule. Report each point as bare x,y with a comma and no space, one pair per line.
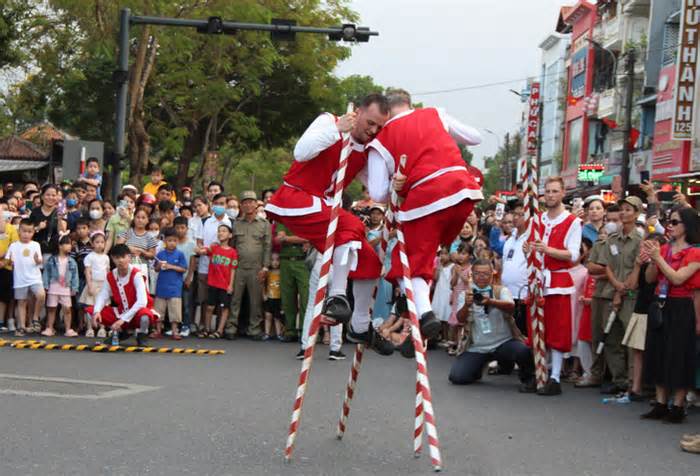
217,268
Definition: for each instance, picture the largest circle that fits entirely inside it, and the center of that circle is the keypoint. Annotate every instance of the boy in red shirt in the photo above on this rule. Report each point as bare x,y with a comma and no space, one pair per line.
222,270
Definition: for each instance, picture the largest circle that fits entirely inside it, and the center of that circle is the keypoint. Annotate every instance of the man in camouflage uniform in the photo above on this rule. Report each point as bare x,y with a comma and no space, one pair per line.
294,276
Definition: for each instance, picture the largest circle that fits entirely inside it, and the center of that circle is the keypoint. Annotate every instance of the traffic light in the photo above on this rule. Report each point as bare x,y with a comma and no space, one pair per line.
283,35
214,26
350,32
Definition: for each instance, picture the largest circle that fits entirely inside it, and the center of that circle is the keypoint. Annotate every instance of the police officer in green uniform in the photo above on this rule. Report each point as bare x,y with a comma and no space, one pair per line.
252,239
294,280
619,257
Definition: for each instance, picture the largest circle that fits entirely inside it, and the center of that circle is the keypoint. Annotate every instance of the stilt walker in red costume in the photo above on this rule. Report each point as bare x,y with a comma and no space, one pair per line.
124,302
303,204
437,190
561,247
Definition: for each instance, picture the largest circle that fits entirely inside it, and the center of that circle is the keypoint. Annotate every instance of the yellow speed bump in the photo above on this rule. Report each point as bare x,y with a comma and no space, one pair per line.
36,345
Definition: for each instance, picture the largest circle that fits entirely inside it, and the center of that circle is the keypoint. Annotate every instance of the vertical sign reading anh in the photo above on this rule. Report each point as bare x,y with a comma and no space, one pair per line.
686,72
533,119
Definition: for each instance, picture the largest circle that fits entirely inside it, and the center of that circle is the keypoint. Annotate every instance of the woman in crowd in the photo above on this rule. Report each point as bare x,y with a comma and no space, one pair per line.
675,268
96,214
46,220
120,221
595,217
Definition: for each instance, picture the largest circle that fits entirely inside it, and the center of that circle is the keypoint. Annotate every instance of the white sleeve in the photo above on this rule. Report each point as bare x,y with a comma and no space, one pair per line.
461,133
363,176
141,298
320,135
572,242
103,298
378,181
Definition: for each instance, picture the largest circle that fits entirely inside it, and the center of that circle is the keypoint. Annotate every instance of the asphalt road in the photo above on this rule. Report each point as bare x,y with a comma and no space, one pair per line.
221,415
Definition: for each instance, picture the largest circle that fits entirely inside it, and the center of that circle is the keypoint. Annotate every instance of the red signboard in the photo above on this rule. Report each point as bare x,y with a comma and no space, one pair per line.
533,120
686,72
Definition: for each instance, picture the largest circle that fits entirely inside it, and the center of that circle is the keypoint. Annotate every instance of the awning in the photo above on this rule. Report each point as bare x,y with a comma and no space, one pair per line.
13,165
646,100
685,176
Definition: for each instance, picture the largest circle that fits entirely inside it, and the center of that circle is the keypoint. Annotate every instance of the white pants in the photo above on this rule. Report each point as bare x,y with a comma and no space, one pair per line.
336,331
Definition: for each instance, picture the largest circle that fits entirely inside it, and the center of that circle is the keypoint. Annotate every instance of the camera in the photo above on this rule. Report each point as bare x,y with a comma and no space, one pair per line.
478,298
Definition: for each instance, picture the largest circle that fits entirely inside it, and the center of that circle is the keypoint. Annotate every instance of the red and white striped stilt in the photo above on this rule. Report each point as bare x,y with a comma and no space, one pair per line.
350,389
320,294
535,284
418,427
423,383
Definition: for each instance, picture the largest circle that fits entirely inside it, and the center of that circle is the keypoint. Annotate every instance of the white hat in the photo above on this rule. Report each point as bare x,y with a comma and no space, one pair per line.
128,186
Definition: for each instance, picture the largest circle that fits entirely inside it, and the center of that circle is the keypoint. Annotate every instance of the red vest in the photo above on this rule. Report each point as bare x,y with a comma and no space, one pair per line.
124,297
434,166
561,281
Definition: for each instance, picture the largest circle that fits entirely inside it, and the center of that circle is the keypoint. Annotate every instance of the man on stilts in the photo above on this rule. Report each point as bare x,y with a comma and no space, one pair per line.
303,204
437,190
560,246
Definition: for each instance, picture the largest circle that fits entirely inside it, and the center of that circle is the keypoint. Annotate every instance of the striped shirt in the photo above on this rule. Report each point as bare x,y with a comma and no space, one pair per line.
145,242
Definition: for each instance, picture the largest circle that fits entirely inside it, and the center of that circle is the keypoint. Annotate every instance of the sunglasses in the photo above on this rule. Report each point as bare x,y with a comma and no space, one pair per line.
674,222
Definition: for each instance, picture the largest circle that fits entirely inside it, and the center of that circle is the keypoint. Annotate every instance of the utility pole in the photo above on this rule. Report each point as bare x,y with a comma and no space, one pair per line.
506,173
629,73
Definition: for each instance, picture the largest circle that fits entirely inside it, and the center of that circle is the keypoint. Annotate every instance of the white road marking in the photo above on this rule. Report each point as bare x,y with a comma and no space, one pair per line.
118,389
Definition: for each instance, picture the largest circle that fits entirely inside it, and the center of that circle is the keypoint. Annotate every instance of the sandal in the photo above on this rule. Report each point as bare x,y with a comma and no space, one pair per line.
19,332
215,335
36,327
203,334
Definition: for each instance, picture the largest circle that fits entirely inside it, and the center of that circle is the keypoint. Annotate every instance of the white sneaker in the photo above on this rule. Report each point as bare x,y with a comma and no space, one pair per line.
185,332
3,329
168,333
101,333
90,333
11,325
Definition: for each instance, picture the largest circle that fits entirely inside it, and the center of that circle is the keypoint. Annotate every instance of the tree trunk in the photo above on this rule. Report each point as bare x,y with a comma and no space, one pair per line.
139,140
191,149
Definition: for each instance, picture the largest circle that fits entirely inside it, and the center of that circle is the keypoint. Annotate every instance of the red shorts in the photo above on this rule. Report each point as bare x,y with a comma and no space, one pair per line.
424,236
314,227
557,322
109,317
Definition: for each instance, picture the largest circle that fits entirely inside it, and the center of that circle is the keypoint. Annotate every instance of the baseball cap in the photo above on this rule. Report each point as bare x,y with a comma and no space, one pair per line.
248,195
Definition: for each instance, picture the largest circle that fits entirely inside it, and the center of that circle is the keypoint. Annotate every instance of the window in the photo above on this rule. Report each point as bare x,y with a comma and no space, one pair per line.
574,149
670,45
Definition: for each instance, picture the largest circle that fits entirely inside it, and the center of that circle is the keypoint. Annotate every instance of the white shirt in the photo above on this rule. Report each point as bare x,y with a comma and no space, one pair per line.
381,164
515,274
209,232
99,265
25,271
320,135
572,241
105,295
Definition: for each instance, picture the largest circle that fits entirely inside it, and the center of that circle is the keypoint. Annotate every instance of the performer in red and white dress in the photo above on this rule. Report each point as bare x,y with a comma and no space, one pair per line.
437,190
124,302
561,248
303,204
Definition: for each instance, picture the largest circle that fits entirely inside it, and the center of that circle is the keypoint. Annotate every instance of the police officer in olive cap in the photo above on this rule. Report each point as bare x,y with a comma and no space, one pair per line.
252,239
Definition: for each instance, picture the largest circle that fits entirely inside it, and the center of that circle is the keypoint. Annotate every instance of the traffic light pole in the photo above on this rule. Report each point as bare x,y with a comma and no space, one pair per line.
280,29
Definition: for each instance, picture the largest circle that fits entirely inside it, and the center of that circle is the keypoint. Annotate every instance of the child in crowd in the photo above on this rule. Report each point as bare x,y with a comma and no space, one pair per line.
72,212
124,304
443,289
153,229
223,262
585,327
96,266
92,175
81,248
187,245
459,283
273,301
171,265
61,283
26,259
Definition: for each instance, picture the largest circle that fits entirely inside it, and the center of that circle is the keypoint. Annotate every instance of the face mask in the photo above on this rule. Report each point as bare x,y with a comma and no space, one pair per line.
71,202
611,228
154,234
218,210
232,213
95,214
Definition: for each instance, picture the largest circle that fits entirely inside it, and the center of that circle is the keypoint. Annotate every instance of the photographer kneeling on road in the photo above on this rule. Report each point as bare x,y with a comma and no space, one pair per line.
490,332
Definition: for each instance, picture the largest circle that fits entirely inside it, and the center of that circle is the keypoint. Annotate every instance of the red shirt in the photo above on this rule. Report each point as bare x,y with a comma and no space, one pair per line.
677,261
222,262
